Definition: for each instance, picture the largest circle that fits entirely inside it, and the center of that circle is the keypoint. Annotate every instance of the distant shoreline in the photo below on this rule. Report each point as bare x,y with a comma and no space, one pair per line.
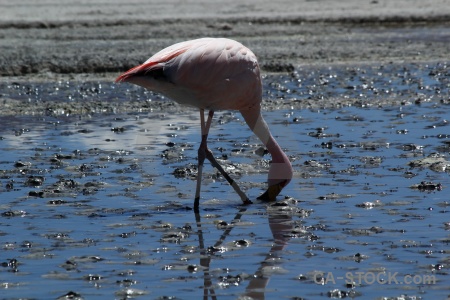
77,40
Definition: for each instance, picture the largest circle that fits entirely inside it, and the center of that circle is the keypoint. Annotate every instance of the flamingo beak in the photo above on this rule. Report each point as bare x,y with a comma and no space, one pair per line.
272,192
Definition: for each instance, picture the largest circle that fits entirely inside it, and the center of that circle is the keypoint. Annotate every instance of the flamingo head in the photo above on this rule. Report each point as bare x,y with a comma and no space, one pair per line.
280,174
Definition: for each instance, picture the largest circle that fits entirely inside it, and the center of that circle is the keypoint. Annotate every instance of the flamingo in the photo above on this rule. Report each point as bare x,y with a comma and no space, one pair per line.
215,74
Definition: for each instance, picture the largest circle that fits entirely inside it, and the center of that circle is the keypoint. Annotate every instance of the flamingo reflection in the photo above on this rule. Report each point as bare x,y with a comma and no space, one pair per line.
280,224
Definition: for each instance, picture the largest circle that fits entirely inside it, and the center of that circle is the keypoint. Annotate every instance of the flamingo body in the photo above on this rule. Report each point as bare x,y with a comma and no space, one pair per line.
214,74
207,73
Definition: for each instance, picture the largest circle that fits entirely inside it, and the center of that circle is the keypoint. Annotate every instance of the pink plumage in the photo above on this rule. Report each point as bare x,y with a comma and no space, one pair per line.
214,74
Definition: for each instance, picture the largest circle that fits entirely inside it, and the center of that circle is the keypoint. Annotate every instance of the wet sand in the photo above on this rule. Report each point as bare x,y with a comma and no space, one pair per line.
84,41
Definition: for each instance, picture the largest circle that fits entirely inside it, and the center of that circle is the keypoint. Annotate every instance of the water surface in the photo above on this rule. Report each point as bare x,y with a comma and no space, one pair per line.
99,206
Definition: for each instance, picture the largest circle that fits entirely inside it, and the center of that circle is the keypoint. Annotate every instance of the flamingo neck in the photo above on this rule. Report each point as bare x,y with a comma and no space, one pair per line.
258,125
280,171
278,155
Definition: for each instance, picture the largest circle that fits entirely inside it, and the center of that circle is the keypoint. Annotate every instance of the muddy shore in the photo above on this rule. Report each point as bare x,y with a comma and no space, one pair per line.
87,41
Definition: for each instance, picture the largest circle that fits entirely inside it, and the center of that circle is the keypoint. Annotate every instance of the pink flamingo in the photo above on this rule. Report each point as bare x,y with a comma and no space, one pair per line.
215,74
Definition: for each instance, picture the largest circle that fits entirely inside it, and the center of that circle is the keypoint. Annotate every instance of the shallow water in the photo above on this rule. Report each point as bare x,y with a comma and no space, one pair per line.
99,206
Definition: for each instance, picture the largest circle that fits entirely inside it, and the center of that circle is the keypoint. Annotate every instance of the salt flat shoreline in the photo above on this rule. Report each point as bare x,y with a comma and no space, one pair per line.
84,37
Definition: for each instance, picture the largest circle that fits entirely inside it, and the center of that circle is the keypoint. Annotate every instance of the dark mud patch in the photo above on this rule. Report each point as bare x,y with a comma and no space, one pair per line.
371,85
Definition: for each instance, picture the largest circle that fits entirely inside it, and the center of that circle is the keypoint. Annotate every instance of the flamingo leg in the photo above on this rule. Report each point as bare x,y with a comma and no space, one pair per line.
201,156
204,152
233,183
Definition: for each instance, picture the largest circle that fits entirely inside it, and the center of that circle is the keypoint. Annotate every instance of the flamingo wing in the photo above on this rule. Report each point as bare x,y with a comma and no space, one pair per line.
155,62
